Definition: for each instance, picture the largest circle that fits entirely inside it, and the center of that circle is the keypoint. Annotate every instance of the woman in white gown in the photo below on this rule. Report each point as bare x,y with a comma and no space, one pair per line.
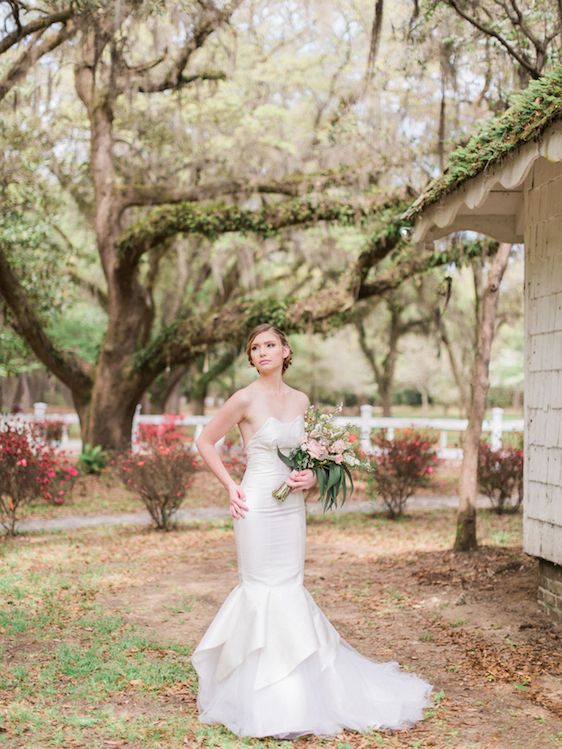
271,663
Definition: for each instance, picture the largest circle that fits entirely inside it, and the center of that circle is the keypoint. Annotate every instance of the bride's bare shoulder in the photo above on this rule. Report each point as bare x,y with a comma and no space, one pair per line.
242,398
303,399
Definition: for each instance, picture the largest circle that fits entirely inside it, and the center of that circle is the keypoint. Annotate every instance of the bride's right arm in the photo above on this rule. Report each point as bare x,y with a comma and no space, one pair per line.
226,417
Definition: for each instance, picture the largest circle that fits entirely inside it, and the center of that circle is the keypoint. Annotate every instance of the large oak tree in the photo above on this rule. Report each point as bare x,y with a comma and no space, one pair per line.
135,222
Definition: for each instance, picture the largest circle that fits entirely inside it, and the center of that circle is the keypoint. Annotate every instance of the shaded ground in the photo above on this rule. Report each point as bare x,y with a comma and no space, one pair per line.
468,623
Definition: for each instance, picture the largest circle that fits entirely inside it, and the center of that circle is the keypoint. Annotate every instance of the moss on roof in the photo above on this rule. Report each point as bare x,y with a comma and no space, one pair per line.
529,114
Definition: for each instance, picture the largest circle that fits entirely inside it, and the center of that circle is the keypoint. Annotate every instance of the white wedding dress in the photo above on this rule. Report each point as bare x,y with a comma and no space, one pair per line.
271,663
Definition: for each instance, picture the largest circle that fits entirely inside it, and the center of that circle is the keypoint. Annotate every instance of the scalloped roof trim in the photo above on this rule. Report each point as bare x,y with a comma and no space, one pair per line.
509,174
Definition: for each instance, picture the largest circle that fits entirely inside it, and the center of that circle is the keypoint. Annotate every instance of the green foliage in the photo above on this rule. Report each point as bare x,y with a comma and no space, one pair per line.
272,311
81,330
34,253
215,218
93,459
15,357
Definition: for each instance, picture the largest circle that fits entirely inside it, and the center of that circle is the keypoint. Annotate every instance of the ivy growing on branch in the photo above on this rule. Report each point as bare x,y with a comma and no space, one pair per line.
212,219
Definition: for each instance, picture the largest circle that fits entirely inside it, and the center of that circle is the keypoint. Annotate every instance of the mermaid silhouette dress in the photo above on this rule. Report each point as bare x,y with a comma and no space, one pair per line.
270,662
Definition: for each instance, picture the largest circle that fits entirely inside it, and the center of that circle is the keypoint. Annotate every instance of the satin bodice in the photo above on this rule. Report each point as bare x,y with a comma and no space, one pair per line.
265,471
261,450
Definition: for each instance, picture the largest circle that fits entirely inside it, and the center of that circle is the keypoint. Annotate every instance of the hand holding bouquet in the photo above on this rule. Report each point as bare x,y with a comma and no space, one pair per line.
330,451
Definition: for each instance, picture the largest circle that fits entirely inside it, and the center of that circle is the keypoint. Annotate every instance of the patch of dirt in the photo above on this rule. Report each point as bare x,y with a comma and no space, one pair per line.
468,623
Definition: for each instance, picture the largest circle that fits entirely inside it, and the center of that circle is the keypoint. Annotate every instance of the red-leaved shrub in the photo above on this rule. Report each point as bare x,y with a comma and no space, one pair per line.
400,465
29,469
500,476
160,477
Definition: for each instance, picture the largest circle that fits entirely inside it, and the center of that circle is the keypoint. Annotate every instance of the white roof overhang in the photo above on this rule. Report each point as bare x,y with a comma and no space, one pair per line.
492,202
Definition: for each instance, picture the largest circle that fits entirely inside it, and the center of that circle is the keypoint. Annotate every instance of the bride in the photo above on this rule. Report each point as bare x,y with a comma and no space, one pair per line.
270,662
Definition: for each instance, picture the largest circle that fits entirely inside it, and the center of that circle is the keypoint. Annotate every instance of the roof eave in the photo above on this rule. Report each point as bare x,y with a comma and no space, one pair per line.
492,202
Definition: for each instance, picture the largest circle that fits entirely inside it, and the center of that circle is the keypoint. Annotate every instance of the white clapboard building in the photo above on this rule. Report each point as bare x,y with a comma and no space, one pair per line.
506,183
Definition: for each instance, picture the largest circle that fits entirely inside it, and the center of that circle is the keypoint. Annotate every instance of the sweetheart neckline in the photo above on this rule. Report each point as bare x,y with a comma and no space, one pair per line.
300,416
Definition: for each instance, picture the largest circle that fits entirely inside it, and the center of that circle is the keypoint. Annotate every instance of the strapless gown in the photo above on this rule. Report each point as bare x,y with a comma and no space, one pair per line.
270,662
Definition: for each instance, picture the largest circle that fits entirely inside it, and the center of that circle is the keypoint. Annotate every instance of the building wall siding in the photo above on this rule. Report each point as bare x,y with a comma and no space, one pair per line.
542,534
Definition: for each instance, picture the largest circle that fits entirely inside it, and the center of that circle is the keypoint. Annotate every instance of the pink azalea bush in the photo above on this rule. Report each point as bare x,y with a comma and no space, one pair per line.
160,476
29,469
400,466
165,433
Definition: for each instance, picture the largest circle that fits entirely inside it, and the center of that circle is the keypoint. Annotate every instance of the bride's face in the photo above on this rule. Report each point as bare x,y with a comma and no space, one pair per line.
267,351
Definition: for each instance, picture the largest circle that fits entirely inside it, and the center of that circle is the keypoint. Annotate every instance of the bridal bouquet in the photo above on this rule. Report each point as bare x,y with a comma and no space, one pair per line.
330,451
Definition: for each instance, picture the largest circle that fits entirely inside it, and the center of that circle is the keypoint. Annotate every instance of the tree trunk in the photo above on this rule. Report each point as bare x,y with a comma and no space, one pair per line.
197,390
107,420
197,405
385,396
455,368
165,389
425,398
468,483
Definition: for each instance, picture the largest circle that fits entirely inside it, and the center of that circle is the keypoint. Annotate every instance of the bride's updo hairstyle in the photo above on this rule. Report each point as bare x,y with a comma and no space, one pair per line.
262,328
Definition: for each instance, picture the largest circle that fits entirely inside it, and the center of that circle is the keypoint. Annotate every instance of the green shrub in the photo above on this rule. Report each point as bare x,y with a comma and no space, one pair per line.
93,459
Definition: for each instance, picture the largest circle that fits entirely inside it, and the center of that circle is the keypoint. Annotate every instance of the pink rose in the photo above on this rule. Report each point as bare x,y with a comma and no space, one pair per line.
315,449
338,446
338,459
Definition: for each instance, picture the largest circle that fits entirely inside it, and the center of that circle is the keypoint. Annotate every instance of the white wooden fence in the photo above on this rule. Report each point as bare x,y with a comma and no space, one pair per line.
366,422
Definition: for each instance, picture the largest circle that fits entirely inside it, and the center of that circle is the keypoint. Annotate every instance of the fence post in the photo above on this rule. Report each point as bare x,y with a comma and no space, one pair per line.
135,429
443,442
496,433
64,437
366,411
39,410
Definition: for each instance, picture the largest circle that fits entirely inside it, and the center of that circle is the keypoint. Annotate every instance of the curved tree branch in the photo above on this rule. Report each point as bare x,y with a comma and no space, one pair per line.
68,368
521,59
191,334
34,52
293,186
38,24
213,219
172,75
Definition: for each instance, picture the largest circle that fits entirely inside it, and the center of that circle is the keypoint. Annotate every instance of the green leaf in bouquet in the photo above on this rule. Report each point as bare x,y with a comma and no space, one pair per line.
349,476
285,458
333,476
321,482
344,486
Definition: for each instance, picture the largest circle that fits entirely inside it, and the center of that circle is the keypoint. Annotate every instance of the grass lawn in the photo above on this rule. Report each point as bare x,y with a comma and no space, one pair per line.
97,625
